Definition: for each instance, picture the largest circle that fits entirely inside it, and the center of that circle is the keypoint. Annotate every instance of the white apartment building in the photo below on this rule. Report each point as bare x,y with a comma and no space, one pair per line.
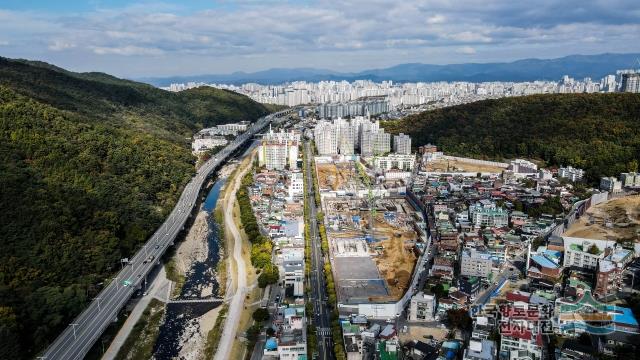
204,143
395,161
584,253
610,184
293,270
521,166
571,173
279,150
374,143
276,155
296,185
423,307
475,263
630,179
326,138
235,127
402,144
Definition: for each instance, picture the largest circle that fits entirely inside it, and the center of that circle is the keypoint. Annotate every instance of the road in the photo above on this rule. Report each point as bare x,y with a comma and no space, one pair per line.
78,338
321,315
237,301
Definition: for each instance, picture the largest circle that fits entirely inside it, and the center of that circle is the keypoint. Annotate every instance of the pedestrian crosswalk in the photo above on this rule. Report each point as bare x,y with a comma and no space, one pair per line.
323,331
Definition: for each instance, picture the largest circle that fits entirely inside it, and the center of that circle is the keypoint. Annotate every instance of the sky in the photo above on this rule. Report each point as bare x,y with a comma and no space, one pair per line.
163,38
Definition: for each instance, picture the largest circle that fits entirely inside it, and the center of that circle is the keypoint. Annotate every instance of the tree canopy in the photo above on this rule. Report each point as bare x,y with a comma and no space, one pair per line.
597,132
89,167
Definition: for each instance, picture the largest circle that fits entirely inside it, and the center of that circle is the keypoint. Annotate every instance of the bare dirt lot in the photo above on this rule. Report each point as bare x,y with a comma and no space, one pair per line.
421,332
335,176
396,262
617,219
444,165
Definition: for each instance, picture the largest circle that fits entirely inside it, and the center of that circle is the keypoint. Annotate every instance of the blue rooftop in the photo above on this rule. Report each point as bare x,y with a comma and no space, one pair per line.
271,344
544,261
623,315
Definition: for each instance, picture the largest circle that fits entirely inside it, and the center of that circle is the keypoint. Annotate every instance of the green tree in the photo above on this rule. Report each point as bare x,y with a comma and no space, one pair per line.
260,315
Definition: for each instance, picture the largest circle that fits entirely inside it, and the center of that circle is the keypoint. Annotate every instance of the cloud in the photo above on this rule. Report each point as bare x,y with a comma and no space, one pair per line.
60,45
436,19
330,29
128,50
4,43
466,50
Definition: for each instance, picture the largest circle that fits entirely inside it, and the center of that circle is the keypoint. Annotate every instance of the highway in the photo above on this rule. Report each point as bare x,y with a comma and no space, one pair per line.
321,315
78,338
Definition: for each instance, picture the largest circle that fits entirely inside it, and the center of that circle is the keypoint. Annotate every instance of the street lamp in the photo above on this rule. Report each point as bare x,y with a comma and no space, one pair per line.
73,326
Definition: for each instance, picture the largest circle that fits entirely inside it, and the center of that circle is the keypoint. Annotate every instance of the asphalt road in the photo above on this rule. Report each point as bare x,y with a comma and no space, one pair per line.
321,315
78,338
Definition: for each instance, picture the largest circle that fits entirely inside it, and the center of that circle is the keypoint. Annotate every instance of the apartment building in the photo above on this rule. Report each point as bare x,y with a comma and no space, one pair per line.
571,173
486,213
584,253
475,263
395,161
422,307
610,184
402,144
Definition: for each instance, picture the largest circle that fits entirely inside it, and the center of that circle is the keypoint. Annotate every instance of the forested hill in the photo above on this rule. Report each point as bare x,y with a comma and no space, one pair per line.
597,132
99,96
89,167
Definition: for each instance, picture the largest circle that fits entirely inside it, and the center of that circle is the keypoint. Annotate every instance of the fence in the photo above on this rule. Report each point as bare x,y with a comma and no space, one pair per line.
476,161
576,211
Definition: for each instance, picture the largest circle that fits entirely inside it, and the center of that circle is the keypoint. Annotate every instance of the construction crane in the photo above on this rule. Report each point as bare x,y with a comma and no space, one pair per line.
370,195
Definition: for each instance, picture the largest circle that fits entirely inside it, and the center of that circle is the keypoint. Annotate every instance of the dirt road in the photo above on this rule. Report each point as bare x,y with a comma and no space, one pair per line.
236,304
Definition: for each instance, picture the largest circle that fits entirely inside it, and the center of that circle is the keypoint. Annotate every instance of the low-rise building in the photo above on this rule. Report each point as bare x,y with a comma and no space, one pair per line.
423,307
486,213
395,161
475,263
610,184
480,350
571,173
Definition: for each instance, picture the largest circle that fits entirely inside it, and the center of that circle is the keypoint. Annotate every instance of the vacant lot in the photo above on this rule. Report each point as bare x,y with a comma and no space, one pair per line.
617,219
397,261
443,165
336,176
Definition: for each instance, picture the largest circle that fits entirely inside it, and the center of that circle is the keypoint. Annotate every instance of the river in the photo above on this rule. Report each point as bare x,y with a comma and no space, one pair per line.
181,320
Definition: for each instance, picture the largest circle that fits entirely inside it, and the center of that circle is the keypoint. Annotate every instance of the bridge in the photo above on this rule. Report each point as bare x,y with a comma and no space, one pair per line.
197,301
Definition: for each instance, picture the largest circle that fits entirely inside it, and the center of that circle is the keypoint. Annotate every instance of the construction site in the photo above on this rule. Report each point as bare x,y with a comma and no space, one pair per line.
372,240
337,176
616,219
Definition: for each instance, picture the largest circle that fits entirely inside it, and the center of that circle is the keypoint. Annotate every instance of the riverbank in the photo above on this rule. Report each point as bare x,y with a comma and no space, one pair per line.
238,266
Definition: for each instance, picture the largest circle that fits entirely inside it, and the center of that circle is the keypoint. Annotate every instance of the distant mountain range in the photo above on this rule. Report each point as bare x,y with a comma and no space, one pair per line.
577,66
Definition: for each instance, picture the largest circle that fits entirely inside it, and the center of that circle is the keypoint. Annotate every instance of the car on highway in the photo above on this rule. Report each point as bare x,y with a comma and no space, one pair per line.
126,283
157,247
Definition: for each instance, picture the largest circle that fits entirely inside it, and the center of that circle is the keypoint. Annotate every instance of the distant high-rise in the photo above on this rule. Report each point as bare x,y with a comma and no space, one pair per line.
630,82
608,83
402,144
326,139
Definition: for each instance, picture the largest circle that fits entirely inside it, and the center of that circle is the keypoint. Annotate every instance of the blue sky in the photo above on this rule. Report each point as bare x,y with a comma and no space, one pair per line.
163,38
